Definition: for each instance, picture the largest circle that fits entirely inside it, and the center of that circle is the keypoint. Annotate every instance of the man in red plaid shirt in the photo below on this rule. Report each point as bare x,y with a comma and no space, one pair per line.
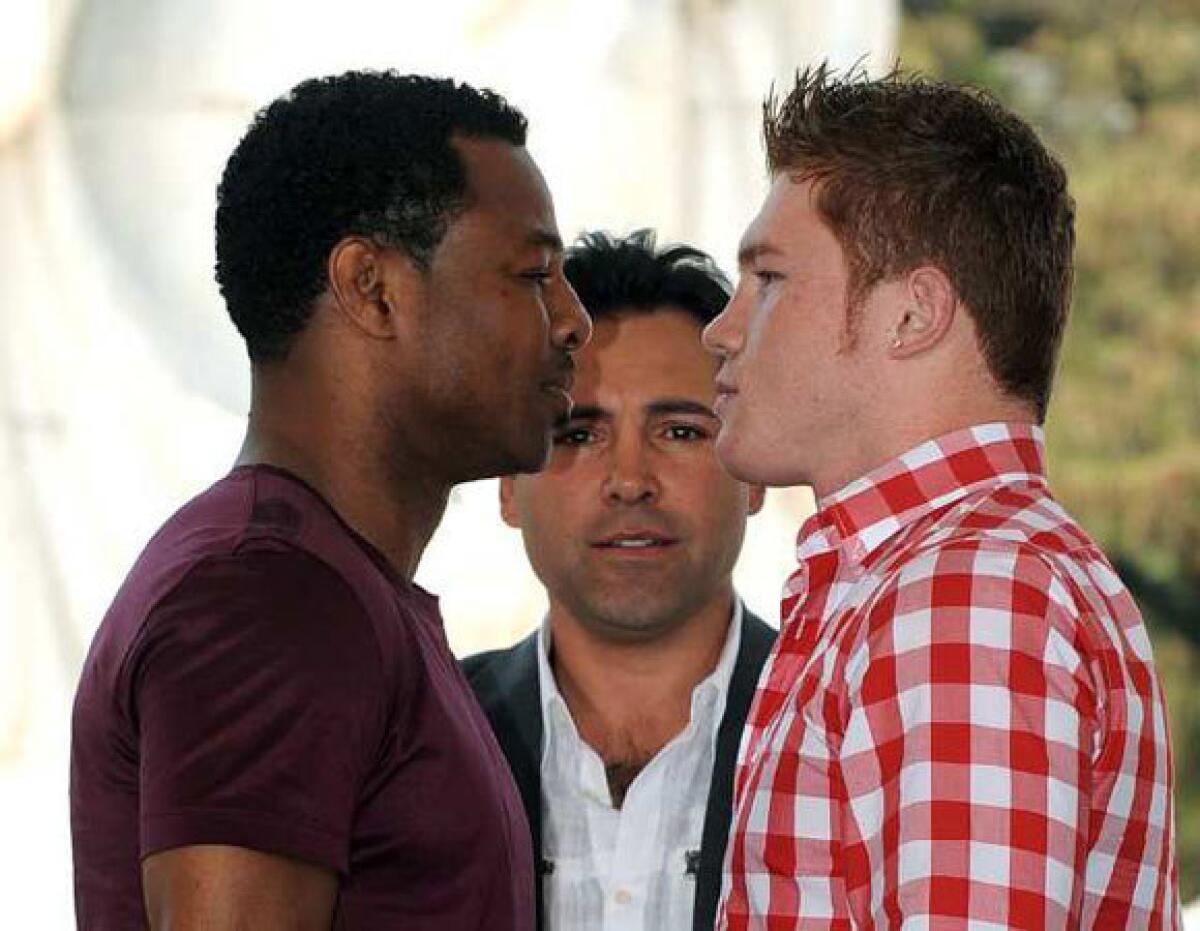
960,725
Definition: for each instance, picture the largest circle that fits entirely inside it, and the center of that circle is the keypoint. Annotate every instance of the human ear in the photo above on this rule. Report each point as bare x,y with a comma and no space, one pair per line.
508,509
370,285
927,311
758,495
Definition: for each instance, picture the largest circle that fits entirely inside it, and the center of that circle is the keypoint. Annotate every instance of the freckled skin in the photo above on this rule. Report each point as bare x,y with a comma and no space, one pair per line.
801,381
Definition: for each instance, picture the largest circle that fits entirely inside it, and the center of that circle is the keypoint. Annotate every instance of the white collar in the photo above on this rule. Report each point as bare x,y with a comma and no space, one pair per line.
715,684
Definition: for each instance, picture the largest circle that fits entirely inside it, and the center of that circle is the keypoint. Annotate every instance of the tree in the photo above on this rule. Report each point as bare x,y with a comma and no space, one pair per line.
1114,86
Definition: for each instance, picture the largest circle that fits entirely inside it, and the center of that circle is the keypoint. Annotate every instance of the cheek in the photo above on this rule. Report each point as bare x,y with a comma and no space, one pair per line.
550,513
721,522
768,344
771,380
708,495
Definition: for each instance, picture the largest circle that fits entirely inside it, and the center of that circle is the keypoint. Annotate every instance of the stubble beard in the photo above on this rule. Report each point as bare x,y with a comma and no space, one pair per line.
624,610
464,448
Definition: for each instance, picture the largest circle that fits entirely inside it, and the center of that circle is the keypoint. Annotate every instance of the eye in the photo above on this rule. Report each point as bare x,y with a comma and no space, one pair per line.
574,436
537,276
767,277
685,432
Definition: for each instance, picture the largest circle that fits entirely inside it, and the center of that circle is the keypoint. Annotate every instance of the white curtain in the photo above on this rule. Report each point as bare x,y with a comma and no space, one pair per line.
123,386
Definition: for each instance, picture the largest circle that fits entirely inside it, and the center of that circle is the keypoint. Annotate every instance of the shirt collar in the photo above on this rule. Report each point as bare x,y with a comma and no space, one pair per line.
716,683
861,516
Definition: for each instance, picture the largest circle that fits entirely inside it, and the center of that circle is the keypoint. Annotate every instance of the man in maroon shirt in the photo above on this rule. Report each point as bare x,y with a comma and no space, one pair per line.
270,731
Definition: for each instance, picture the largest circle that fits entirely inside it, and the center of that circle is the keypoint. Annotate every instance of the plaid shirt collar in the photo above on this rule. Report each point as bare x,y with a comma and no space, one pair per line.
859,518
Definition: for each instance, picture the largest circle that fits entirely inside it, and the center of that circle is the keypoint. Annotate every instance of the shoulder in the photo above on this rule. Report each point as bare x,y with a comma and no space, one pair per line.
972,569
757,639
273,605
495,667
973,599
755,628
268,578
506,681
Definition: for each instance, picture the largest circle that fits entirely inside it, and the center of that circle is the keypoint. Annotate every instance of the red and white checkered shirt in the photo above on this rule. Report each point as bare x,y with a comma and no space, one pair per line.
960,725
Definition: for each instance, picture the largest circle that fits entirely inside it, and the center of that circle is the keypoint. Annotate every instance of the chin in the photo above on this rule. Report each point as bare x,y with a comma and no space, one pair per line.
531,457
735,459
637,624
763,467
500,457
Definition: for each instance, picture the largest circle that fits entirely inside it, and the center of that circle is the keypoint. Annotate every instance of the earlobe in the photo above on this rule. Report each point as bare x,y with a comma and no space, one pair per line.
508,510
758,496
928,313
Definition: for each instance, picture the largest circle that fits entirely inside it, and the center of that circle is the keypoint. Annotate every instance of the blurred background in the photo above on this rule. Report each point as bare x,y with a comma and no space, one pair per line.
123,388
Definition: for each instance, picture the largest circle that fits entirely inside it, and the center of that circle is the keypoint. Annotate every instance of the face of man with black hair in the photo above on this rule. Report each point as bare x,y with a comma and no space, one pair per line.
634,527
498,321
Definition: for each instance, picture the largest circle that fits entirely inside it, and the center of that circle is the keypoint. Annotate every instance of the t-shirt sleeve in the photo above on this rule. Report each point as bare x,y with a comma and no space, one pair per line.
257,690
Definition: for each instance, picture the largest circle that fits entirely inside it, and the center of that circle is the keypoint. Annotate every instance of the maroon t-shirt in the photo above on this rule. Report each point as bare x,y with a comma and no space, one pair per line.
264,679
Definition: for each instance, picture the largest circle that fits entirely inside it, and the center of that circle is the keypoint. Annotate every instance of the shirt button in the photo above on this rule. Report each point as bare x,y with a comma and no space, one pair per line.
623,896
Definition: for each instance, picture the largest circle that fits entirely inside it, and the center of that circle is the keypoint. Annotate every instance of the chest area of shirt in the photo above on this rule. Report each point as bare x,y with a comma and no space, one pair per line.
440,793
802,694
631,868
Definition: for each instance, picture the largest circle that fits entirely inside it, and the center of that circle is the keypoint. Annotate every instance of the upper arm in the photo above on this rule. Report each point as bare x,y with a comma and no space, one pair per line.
223,888
260,705
969,738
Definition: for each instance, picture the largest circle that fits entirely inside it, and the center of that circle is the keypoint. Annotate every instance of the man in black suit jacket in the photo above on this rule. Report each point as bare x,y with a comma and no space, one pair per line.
621,717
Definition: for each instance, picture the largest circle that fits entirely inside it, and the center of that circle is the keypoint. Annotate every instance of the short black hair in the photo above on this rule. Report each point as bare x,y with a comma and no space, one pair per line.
612,274
910,171
363,153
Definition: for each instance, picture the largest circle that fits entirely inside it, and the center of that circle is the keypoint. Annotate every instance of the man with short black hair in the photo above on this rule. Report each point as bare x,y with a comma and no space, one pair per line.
621,715
270,731
961,726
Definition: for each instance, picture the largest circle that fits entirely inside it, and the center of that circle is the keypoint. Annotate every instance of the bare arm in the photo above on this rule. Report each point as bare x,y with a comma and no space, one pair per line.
221,888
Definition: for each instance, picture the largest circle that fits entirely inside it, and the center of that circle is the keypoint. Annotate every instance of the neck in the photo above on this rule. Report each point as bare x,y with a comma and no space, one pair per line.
906,425
628,699
342,453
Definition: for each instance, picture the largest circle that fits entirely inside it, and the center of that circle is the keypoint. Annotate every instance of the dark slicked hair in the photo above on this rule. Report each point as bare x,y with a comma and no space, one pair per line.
911,172
363,153
631,274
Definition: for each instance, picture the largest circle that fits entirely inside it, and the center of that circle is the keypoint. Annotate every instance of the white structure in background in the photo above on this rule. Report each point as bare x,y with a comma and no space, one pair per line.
123,386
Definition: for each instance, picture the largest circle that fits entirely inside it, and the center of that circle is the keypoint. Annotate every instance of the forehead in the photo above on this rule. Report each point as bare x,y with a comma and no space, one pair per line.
645,355
506,187
789,224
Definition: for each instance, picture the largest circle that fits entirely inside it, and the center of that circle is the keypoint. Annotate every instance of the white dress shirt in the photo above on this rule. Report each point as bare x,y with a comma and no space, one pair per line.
632,868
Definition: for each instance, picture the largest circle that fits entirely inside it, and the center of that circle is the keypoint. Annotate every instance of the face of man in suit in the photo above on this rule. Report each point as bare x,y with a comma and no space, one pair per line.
634,526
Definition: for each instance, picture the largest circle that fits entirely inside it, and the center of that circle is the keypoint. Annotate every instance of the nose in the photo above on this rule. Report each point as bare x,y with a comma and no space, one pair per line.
631,476
570,325
724,334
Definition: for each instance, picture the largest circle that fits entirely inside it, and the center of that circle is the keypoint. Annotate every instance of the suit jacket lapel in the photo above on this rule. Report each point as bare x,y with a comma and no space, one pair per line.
516,717
511,696
757,639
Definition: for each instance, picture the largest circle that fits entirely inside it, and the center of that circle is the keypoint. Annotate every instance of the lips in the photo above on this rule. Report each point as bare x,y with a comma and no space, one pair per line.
560,373
558,391
726,392
635,540
563,383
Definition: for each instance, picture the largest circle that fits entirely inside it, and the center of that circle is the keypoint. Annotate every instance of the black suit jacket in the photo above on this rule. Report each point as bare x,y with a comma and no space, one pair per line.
506,683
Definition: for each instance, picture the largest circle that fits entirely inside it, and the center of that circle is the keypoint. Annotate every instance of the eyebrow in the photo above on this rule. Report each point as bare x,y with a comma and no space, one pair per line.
545,238
752,250
585,412
592,412
680,406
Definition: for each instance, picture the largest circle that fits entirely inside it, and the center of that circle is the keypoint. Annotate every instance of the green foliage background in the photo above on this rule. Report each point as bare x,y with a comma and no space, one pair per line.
1114,87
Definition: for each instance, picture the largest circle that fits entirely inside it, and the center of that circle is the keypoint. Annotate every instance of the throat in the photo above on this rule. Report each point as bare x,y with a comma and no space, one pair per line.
626,748
620,775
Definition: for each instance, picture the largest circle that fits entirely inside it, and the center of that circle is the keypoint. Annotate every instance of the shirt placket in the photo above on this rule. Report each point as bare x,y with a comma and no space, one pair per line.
803,627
